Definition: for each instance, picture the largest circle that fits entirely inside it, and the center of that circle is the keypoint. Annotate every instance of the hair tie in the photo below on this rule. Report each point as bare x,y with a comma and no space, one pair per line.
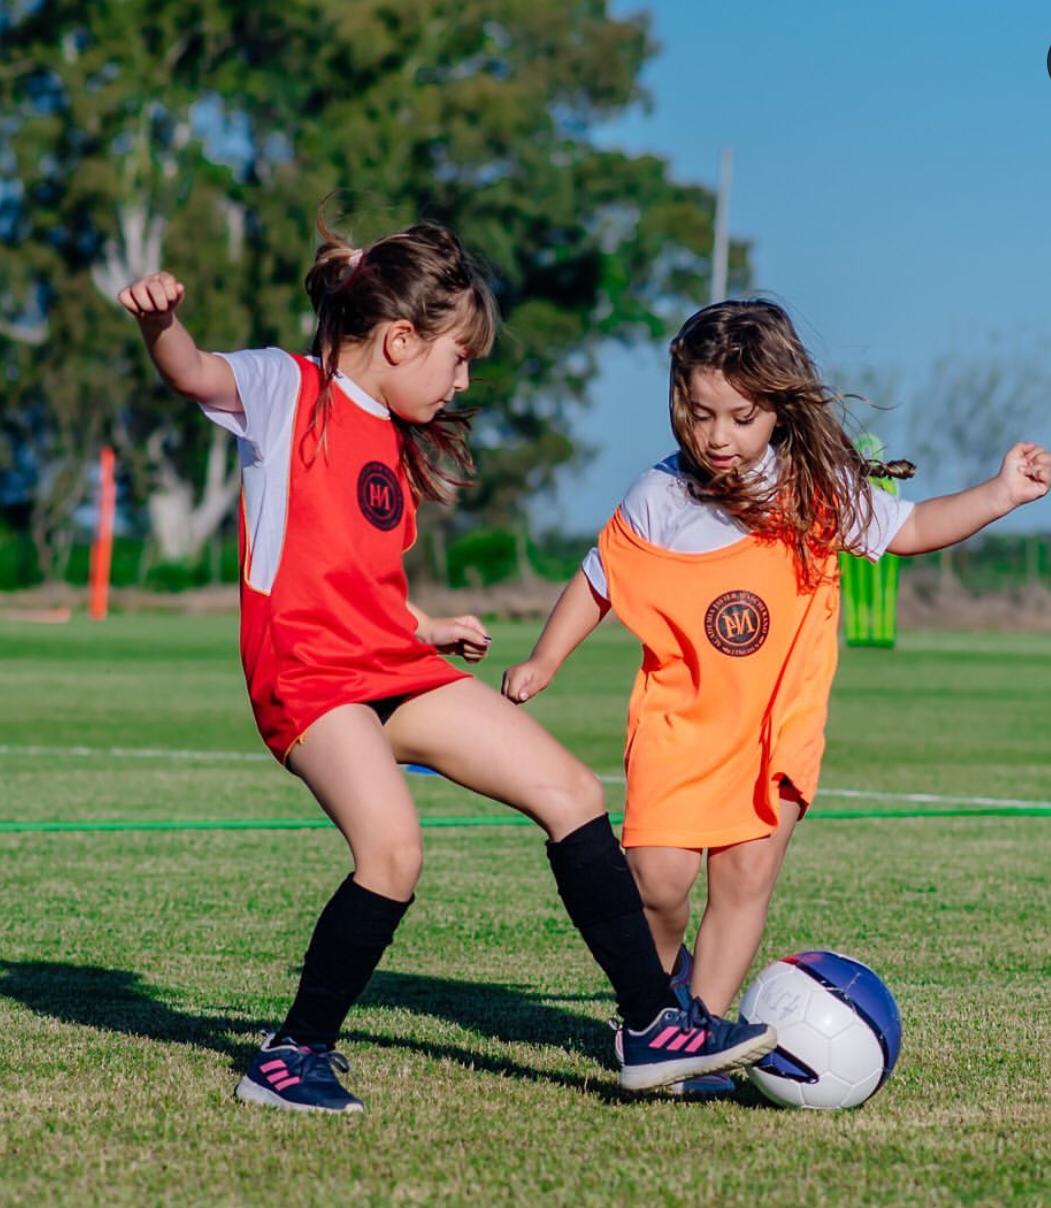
355,258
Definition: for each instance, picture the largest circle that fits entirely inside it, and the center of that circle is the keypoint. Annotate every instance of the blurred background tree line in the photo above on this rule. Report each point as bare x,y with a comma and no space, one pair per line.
201,135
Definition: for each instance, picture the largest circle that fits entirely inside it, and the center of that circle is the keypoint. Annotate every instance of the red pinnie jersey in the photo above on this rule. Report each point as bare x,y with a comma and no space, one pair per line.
328,623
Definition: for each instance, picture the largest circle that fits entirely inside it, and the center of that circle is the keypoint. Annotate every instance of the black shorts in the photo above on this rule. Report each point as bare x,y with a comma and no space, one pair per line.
385,706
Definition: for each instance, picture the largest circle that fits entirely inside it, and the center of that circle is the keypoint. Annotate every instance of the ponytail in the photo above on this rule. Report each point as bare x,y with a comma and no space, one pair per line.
889,469
422,274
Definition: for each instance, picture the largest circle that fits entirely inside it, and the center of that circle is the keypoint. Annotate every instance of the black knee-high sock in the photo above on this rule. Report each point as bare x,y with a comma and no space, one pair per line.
600,894
350,937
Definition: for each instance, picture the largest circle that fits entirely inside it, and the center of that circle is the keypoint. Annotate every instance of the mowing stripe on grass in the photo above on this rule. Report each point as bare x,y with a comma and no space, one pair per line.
479,821
1007,805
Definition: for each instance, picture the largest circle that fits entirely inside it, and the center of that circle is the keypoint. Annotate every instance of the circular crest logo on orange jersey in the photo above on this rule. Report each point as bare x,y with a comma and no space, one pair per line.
737,623
379,495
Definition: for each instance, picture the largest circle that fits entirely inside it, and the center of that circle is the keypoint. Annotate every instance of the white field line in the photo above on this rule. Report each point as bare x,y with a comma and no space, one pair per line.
908,798
141,753
177,755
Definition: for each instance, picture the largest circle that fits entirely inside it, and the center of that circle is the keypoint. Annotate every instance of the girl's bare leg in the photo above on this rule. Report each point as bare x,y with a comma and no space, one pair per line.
346,761
665,876
741,880
476,737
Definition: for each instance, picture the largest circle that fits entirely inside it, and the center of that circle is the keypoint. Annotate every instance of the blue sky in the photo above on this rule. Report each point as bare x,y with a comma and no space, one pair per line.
892,167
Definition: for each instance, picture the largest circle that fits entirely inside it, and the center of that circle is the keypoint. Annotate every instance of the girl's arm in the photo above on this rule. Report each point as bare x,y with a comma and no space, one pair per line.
465,636
199,375
577,612
1024,476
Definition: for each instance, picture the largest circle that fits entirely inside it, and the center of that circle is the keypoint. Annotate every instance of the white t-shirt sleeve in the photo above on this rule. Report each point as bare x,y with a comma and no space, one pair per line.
645,507
889,513
267,386
653,501
595,572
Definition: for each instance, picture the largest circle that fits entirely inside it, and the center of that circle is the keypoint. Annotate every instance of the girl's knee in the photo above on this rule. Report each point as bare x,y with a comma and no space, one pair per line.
743,878
572,802
587,792
392,869
664,879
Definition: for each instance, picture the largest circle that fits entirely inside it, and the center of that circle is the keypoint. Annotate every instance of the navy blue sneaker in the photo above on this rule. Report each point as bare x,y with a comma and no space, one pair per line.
681,1044
681,974
298,1078
704,1086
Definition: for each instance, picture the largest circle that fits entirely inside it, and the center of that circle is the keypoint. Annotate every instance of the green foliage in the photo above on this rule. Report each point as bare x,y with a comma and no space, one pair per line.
210,129
557,557
125,565
18,561
175,576
1004,562
132,565
482,557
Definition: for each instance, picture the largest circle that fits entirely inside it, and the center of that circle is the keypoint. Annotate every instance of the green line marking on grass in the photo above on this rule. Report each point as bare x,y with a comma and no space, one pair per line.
478,822
1010,804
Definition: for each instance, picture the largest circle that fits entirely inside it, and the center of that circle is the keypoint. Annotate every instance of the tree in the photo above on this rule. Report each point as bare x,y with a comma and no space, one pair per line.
970,412
204,132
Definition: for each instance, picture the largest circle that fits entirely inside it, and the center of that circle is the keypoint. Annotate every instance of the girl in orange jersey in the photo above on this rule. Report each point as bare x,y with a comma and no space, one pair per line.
344,673
722,561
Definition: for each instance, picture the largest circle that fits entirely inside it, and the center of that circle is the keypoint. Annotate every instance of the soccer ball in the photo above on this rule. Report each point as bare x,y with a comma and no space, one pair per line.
838,1030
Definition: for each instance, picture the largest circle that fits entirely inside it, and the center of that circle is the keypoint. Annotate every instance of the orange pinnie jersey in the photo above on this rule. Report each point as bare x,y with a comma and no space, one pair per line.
732,694
334,627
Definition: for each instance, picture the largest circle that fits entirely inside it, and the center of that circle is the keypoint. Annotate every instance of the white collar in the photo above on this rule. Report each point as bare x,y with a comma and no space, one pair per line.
359,397
363,399
766,466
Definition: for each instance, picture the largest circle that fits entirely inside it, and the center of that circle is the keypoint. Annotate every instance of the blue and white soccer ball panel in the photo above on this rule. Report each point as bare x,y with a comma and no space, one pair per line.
855,983
838,1030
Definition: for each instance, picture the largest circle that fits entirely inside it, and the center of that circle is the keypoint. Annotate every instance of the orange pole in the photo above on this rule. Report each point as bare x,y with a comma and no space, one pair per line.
102,546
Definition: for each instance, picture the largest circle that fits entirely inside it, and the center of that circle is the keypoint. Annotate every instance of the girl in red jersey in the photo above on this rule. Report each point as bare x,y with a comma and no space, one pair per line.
722,561
344,673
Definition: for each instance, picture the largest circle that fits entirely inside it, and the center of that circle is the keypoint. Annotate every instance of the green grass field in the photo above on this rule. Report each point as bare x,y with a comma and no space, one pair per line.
137,967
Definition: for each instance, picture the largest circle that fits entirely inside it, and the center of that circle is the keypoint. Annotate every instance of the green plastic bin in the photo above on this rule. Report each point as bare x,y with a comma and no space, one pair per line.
870,589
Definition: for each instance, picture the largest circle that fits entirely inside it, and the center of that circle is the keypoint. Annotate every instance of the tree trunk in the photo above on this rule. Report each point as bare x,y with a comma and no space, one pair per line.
56,496
946,576
526,574
1032,560
180,525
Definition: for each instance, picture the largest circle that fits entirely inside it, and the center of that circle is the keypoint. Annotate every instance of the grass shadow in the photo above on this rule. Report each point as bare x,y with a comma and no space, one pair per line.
500,1011
120,1001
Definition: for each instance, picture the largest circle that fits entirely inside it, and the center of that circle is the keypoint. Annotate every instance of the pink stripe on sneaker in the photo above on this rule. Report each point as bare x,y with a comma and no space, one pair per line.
277,1063
697,1041
678,1042
659,1041
280,1086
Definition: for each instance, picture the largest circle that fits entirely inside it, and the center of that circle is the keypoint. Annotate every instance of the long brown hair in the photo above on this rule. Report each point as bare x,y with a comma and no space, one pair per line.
422,274
820,491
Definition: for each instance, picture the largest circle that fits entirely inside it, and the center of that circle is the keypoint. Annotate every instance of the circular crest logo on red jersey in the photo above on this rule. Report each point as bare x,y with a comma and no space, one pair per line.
379,495
737,623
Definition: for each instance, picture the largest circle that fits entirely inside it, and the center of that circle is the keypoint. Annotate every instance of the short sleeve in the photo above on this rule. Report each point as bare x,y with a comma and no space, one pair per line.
595,573
653,501
267,386
889,513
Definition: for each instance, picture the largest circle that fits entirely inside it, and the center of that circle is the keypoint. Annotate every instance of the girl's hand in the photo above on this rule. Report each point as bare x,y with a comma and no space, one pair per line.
525,680
465,636
1025,474
153,300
